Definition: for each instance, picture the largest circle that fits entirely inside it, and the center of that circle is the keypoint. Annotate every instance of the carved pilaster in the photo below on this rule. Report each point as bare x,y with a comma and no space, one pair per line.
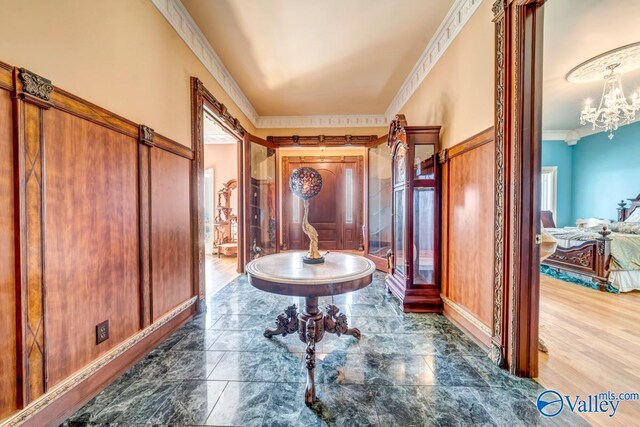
29,104
145,139
499,192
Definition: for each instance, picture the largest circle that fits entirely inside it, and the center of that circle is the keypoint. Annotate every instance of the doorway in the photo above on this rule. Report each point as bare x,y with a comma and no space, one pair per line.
221,203
336,213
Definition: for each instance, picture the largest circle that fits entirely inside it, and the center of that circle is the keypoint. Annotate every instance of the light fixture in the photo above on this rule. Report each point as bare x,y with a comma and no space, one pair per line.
614,110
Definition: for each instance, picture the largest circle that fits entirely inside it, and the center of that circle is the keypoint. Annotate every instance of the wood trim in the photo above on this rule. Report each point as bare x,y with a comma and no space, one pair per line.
6,76
322,140
219,110
74,105
197,192
30,189
145,145
201,97
477,140
61,402
518,153
467,321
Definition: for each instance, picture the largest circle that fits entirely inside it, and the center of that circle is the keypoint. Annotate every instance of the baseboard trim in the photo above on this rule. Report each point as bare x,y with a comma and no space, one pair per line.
60,402
467,322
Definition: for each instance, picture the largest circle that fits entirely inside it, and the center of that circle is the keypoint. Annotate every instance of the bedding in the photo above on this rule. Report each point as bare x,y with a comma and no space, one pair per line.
634,217
624,265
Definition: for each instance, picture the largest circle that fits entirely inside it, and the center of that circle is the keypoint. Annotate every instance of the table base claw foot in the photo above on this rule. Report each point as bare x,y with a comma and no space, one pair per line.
336,323
310,390
286,323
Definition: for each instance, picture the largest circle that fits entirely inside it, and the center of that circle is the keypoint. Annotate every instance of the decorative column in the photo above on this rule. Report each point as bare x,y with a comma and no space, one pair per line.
145,140
30,100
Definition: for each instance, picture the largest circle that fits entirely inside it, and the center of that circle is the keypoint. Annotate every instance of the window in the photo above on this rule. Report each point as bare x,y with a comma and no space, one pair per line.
549,189
296,209
349,197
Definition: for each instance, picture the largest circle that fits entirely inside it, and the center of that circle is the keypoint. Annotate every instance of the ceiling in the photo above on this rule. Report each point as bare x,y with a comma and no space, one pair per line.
330,57
215,134
575,31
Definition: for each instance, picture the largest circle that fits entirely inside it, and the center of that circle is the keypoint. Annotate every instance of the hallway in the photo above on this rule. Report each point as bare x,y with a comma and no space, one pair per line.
407,369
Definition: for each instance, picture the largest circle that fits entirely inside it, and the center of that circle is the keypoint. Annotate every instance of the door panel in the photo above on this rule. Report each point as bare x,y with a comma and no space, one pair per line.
336,213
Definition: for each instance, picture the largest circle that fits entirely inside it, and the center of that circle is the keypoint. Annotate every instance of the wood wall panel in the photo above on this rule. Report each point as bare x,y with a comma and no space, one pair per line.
171,246
468,219
8,353
92,240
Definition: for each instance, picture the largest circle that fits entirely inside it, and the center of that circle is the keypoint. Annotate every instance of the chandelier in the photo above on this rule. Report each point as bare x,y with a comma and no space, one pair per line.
614,109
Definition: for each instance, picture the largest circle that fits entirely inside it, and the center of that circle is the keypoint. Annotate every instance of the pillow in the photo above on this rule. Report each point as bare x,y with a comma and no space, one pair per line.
634,217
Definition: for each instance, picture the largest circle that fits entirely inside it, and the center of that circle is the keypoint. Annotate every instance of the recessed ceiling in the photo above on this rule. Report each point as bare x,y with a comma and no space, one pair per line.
330,57
214,133
575,31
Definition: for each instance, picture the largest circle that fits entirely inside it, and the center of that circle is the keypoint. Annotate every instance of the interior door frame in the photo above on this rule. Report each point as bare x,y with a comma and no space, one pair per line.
286,195
201,98
245,183
518,127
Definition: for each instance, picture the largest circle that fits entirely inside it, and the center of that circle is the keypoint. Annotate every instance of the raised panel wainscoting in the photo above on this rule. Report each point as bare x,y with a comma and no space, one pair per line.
468,227
95,226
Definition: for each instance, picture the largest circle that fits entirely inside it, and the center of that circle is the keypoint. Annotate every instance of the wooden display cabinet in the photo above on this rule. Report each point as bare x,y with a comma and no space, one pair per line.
414,275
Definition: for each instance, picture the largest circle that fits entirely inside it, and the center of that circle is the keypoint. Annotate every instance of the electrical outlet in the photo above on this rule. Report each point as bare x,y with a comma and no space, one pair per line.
102,332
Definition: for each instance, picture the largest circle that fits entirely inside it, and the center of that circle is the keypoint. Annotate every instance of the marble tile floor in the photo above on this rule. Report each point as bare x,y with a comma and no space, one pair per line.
406,370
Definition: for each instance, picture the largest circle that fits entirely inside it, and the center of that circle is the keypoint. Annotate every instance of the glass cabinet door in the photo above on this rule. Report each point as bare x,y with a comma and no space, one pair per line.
262,201
379,198
398,231
424,255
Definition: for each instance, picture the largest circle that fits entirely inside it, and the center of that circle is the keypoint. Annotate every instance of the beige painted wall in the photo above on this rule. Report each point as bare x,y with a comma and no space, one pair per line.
223,159
119,54
458,93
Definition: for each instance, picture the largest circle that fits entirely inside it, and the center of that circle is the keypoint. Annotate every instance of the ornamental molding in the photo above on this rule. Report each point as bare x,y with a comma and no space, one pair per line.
146,135
177,15
452,24
275,122
182,22
35,85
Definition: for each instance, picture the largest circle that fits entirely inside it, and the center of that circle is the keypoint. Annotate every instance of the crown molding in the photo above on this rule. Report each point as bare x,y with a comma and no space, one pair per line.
452,24
554,135
182,22
274,122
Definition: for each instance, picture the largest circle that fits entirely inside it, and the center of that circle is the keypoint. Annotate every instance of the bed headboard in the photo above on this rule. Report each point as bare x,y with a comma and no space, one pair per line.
624,212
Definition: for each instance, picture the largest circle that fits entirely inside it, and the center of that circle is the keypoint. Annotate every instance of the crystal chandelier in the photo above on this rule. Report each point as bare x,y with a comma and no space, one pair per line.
614,110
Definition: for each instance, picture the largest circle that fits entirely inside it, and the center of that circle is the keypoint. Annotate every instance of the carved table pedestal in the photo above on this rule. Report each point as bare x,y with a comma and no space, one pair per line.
286,274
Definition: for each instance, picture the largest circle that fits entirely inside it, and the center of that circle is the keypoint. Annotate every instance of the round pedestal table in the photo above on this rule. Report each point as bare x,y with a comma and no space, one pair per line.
286,274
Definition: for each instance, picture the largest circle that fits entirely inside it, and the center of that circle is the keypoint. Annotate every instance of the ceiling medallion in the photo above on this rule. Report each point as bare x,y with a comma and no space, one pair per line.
614,110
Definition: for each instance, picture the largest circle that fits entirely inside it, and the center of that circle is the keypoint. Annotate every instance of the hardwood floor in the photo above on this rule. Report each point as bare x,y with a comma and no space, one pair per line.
219,271
593,339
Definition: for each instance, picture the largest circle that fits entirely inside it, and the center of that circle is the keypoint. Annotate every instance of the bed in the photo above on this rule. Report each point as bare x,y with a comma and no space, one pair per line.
608,256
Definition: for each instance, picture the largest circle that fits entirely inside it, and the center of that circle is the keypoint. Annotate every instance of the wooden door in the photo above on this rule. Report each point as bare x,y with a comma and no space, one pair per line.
336,213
